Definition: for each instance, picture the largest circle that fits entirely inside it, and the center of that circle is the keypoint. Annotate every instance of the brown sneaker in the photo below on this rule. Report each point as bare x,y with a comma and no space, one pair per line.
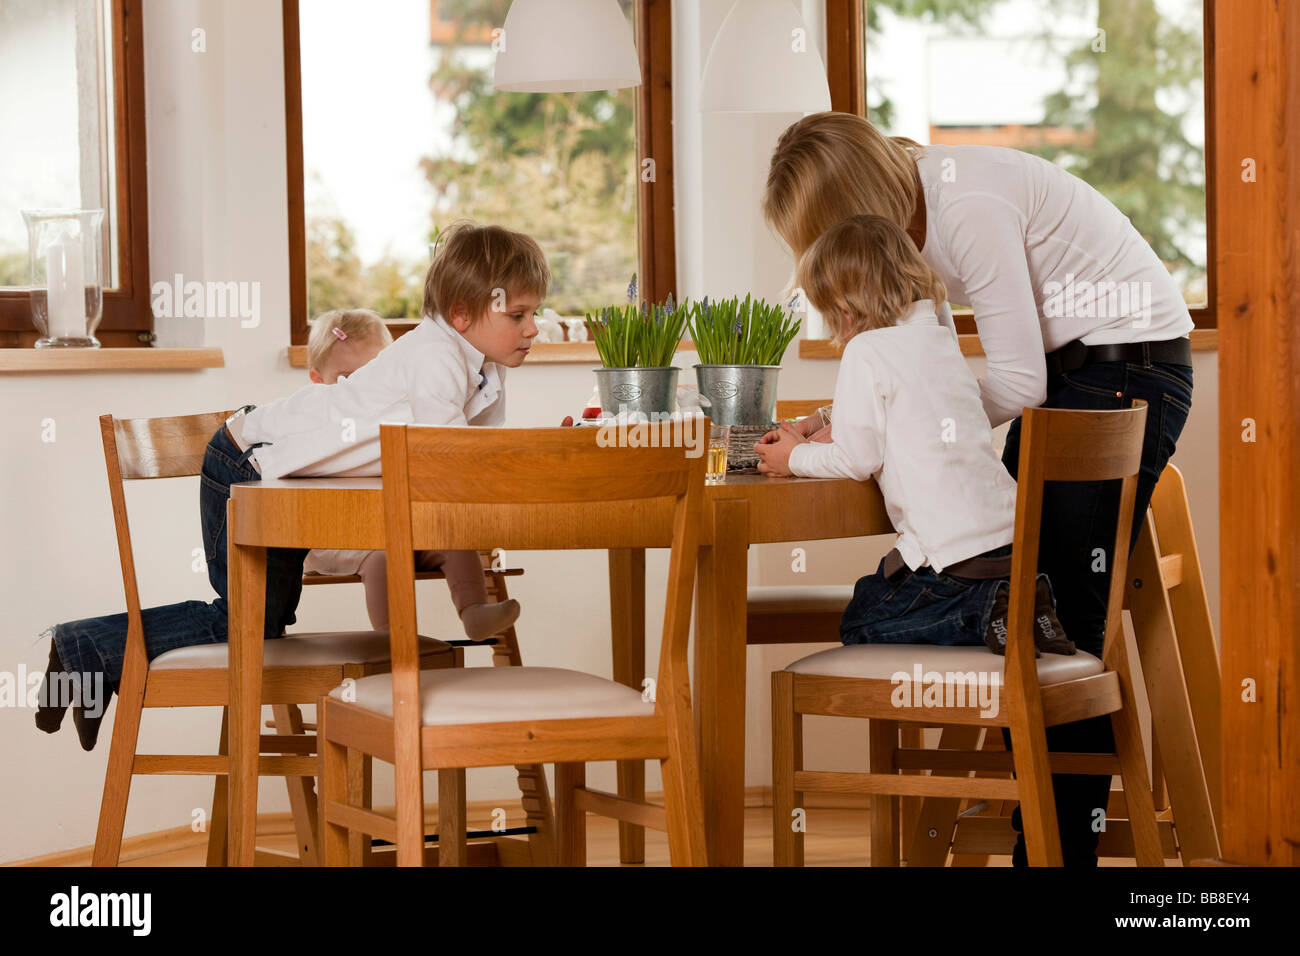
1049,636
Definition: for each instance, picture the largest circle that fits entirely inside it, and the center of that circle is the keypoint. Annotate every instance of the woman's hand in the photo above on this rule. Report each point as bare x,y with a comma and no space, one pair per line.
774,451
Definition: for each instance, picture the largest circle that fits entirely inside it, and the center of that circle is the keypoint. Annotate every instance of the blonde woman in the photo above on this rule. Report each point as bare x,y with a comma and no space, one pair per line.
1073,309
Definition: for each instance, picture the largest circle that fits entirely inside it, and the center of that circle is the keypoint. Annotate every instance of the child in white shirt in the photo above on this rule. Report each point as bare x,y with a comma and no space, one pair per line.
480,295
341,342
907,412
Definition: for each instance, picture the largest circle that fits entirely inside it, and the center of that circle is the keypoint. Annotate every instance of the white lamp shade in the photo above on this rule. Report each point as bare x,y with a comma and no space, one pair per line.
764,61
566,46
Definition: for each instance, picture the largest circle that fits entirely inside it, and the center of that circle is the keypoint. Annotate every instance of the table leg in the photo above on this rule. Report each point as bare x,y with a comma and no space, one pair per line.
247,591
720,680
627,618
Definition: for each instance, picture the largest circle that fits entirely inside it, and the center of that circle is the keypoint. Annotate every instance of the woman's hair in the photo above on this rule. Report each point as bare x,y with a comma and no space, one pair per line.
473,262
863,273
344,325
831,165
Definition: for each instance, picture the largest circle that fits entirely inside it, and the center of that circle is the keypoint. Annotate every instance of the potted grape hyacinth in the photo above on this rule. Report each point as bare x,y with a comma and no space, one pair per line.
636,344
740,345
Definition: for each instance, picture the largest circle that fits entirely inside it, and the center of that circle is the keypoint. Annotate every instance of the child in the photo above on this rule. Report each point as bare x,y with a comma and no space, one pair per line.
341,342
907,412
480,294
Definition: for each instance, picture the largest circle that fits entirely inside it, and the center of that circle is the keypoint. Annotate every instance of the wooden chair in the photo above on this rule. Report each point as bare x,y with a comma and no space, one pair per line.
299,668
863,680
463,488
1179,662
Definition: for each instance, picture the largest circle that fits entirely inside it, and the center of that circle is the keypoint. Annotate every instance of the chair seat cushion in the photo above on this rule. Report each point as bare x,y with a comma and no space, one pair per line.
883,661
800,599
479,695
297,650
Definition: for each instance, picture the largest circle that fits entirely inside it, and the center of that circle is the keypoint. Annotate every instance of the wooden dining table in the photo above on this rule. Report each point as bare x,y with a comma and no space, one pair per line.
347,513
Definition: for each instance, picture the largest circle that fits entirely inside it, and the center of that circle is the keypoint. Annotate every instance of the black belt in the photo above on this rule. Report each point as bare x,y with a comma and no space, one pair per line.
978,567
1075,354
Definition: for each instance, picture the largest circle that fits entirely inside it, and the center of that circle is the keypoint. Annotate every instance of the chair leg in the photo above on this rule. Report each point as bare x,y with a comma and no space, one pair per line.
938,814
121,755
1137,792
787,759
911,736
302,790
570,822
452,821
218,837
1037,800
360,791
333,759
883,741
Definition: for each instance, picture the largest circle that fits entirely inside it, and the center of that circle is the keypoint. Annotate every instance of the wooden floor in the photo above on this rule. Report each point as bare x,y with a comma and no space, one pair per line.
835,837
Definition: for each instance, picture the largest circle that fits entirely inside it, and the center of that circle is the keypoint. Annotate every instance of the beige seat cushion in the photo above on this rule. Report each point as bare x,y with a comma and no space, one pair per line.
800,599
479,695
883,661
296,650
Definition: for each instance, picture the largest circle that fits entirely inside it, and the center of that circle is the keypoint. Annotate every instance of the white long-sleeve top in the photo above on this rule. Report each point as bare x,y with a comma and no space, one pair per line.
429,376
908,413
1042,259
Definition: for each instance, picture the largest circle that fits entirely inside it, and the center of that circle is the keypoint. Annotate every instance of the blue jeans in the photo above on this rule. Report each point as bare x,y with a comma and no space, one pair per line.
920,607
98,644
1078,519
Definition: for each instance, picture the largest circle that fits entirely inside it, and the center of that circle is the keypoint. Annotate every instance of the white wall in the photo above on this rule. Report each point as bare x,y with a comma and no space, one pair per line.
218,211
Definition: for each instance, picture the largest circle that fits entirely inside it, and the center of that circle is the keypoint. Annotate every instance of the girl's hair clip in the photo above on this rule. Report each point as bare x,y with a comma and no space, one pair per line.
342,336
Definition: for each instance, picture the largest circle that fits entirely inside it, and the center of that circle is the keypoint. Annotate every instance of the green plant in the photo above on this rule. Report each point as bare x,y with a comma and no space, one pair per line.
732,332
631,336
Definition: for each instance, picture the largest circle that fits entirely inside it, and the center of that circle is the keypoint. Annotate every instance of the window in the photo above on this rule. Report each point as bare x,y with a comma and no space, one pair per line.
72,72
1113,91
401,133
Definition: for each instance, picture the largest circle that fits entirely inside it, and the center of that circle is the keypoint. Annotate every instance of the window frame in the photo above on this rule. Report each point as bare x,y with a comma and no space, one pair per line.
656,246
846,69
127,318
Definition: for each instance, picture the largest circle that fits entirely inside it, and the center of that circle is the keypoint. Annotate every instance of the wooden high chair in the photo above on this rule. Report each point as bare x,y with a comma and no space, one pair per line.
299,668
539,825
861,680
594,497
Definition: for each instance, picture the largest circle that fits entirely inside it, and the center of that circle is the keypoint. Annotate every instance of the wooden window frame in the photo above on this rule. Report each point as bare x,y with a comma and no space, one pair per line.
127,319
846,72
656,247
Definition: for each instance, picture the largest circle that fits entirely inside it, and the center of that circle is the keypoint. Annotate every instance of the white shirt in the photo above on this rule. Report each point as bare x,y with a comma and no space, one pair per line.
429,376
1025,244
907,412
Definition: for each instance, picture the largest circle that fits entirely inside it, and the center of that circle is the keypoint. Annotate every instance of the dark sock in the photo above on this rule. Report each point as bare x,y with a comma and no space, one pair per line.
88,727
996,635
1049,635
50,709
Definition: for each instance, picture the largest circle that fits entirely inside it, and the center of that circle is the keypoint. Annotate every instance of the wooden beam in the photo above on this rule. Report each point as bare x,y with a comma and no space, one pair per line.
1257,255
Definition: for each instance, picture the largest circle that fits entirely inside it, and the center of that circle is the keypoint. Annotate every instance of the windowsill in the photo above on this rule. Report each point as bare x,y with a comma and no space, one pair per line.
110,360
543,353
1203,340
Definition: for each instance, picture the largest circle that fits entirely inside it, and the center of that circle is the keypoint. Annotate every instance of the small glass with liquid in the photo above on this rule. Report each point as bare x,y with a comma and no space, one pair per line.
716,472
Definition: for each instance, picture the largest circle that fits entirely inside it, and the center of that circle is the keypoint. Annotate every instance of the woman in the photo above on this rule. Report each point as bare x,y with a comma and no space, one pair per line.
1073,309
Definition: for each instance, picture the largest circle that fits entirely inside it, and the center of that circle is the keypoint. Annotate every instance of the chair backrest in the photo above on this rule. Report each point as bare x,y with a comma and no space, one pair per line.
541,488
798,407
140,448
1070,445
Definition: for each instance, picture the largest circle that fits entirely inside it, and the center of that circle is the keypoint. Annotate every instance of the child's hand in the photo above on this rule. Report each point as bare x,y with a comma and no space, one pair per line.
774,434
774,455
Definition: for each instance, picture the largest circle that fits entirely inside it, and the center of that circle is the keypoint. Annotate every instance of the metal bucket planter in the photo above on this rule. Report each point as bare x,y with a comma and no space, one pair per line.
647,390
740,394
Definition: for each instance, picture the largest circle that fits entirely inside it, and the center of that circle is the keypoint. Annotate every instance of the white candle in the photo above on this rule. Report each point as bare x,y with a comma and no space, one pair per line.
812,322
66,285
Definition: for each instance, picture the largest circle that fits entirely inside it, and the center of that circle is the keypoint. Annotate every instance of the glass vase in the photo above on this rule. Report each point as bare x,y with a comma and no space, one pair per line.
66,277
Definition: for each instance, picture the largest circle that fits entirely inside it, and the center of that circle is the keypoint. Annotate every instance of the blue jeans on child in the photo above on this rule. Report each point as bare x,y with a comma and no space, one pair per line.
920,607
98,644
1078,519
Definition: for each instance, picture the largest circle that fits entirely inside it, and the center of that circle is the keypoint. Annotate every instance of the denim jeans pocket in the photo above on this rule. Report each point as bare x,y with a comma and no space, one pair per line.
212,513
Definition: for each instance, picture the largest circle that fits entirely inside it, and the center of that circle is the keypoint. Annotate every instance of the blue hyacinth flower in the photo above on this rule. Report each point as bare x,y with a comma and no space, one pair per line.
631,289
